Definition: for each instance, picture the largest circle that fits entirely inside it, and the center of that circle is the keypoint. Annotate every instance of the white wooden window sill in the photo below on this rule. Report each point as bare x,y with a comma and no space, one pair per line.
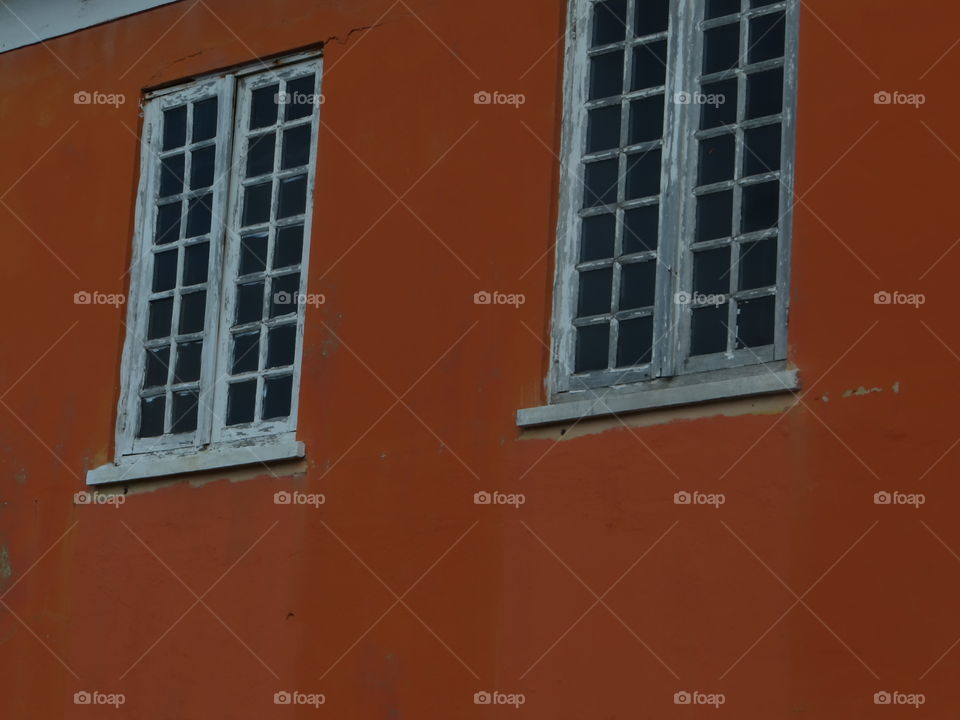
154,465
660,394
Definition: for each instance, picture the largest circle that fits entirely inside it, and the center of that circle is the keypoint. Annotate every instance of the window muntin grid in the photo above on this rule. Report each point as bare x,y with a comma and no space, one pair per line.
674,249
182,252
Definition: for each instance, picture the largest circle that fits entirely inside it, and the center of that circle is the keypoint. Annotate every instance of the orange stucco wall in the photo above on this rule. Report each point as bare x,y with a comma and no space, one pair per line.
264,598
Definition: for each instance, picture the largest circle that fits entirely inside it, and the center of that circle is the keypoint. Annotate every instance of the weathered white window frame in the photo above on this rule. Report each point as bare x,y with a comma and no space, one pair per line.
673,377
213,444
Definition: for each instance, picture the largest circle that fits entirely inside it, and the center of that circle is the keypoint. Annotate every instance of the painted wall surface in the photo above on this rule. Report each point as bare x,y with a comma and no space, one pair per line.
399,597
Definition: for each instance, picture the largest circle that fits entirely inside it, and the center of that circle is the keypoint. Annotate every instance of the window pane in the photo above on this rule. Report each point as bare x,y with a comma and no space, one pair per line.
296,147
767,36
284,295
720,106
649,65
241,402
175,127
288,247
195,262
205,120
646,119
761,150
246,353
606,75
256,204
192,311
641,229
600,183
260,152
755,322
171,176
168,224
603,128
635,342
761,206
765,93
594,297
157,363
719,8
281,345
643,174
160,318
188,362
653,16
609,22
300,98
293,197
151,416
198,216
592,348
715,215
202,167
263,106
184,412
638,282
758,264
276,397
709,330
249,303
597,240
717,159
253,253
711,271
165,270
721,48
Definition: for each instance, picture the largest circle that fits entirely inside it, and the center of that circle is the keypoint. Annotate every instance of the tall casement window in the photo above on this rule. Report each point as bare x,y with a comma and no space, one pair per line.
214,331
674,233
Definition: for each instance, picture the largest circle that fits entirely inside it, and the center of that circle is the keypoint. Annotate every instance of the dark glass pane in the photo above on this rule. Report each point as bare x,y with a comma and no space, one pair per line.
260,151
609,22
758,264
597,241
767,35
722,108
165,271
293,197
249,302
638,284
603,129
157,362
717,159
284,295
241,402
300,98
288,247
592,348
171,176
198,216
653,16
641,229
596,287
196,260
762,3
721,49
764,93
296,147
281,344
151,416
192,311
184,418
600,183
709,330
719,8
168,224
715,216
256,204
205,120
253,254
160,318
711,271
643,174
276,397
649,65
174,127
646,119
606,75
761,150
246,353
188,362
761,206
635,342
201,167
263,106
755,322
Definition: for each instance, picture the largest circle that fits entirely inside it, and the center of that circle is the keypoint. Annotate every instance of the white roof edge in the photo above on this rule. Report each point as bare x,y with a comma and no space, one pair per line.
27,22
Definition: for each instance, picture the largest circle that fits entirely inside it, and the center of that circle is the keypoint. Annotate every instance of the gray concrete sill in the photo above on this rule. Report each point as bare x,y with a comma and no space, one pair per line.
629,399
